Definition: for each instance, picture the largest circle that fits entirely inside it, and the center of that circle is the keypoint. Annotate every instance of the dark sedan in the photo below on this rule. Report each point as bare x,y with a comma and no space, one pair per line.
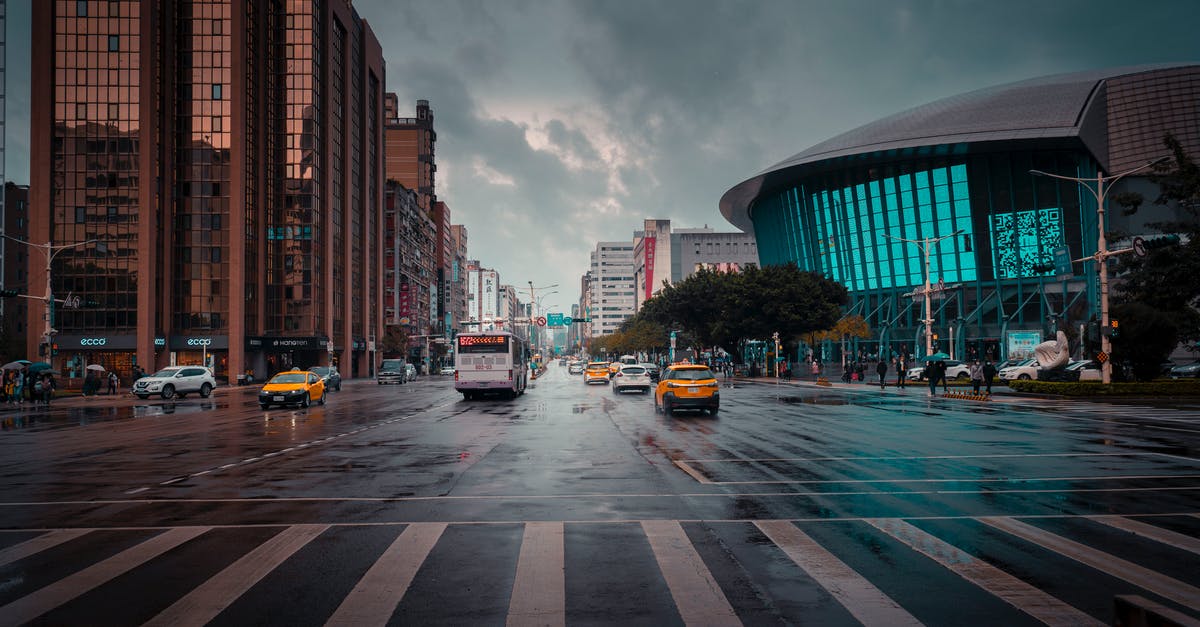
330,375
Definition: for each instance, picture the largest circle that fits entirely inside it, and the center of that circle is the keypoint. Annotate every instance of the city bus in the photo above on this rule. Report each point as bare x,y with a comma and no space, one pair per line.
490,362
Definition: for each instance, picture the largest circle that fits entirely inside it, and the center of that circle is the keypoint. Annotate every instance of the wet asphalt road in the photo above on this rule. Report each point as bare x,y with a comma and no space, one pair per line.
408,505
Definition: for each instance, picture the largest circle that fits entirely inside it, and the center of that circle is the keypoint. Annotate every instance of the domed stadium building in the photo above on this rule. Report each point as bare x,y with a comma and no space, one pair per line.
959,171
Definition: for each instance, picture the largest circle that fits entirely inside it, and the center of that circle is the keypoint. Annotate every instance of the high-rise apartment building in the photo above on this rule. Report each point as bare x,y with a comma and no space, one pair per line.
14,274
458,278
212,178
613,292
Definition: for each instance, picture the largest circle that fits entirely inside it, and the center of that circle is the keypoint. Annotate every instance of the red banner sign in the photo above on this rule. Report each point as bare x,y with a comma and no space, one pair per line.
648,248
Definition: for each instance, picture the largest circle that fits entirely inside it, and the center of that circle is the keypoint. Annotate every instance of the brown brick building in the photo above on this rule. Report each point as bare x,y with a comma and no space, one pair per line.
213,173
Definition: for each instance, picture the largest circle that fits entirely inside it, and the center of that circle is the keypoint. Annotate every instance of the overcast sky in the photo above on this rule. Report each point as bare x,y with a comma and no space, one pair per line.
561,123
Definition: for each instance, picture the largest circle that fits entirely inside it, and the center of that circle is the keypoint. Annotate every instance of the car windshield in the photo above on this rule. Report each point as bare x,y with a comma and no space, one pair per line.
292,377
692,374
166,372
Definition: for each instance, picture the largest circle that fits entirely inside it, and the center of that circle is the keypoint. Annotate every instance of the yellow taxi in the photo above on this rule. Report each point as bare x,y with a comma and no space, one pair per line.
292,387
596,372
687,386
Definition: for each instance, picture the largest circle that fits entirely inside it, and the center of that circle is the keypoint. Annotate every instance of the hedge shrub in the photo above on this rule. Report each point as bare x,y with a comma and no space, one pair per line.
1159,388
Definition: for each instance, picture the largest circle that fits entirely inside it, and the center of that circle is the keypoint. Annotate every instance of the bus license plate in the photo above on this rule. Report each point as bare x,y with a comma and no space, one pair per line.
482,367
693,390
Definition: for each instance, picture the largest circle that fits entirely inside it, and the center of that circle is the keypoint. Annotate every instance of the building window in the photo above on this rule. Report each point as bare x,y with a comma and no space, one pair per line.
216,91
81,111
81,8
114,43
80,215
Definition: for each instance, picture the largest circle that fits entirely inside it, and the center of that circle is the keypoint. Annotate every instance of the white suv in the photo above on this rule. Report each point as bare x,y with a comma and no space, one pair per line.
176,381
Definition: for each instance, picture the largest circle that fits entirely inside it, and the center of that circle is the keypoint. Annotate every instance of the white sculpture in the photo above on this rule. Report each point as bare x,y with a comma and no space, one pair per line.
1053,354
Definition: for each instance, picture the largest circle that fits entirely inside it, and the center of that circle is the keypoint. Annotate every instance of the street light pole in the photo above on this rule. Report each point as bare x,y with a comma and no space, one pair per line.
1102,252
925,244
50,251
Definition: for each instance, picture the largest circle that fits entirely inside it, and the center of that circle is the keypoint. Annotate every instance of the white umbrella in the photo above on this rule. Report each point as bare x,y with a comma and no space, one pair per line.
96,367
14,365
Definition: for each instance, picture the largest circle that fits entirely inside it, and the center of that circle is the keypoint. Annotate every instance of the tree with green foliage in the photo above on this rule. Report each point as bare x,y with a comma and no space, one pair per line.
1167,279
394,342
1147,335
723,309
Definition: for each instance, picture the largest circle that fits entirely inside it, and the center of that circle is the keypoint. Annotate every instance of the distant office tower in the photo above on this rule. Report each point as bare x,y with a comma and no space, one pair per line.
211,176
612,299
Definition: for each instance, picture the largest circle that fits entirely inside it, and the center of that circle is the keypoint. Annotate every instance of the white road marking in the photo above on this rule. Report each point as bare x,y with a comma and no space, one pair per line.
539,589
210,598
861,598
375,597
1008,588
1165,536
962,480
697,596
1162,585
695,474
37,603
39,544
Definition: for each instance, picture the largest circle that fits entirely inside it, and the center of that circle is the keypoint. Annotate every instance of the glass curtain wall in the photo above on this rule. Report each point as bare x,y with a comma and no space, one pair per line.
200,274
95,150
294,293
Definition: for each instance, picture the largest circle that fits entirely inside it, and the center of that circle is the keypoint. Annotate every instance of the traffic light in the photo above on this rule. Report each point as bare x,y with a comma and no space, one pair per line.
1115,326
9,293
1161,242
54,349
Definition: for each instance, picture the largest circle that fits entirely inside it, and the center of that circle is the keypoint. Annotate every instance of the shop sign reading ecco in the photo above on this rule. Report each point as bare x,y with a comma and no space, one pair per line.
93,341
199,341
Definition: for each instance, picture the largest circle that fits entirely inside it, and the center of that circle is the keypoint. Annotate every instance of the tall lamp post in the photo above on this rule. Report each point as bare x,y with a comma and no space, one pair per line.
50,251
925,244
1102,252
537,309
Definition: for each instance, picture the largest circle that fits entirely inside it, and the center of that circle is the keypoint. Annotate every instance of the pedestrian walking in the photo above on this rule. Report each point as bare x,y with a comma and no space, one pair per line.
989,371
19,388
816,368
901,371
941,373
882,370
976,376
10,386
931,375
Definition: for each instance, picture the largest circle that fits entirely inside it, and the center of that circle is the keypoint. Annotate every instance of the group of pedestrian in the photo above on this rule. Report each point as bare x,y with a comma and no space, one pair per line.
19,386
93,381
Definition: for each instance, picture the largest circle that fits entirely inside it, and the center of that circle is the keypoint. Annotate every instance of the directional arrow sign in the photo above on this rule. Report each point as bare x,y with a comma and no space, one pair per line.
541,321
567,321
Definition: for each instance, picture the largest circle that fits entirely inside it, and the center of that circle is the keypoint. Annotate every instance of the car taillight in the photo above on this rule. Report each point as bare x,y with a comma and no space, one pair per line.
456,375
510,375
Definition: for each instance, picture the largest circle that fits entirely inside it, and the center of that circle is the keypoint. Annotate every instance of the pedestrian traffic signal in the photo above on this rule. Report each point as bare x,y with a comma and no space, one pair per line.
9,293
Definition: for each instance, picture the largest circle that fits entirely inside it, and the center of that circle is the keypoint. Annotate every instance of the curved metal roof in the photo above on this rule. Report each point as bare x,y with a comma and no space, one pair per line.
1047,107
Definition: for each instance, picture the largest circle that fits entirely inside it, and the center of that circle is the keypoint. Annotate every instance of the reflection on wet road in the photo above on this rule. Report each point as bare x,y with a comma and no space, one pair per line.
790,490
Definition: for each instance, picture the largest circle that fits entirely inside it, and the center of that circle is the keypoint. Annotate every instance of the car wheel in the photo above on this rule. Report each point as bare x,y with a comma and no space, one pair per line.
1024,377
143,396
667,409
168,393
205,390
324,393
713,410
264,406
304,401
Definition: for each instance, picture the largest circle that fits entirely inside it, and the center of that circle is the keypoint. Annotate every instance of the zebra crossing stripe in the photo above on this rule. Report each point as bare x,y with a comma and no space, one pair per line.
375,596
697,596
1165,536
39,544
863,600
204,603
37,603
1015,592
1162,585
539,591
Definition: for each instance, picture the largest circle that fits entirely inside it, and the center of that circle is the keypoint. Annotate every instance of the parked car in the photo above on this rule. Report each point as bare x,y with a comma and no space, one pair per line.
294,386
687,386
1025,370
176,381
410,372
330,375
1088,369
390,371
631,377
954,370
446,370
1185,371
